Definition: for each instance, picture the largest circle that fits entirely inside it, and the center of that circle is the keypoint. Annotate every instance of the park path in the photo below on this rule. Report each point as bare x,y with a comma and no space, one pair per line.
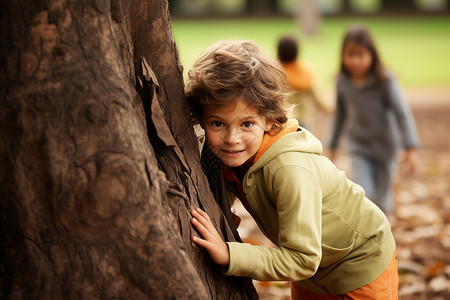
421,220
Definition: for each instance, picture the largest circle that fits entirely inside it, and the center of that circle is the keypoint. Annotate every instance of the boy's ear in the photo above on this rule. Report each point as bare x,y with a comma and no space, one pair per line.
269,125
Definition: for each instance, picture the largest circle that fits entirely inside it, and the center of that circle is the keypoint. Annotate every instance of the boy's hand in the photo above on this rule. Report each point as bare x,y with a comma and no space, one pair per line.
212,242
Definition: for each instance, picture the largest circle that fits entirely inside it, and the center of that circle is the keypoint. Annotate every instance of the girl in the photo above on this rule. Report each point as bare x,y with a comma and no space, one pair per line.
370,100
331,239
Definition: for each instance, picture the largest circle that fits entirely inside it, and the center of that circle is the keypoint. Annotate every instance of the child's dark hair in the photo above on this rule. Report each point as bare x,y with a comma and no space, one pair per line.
361,35
229,70
287,50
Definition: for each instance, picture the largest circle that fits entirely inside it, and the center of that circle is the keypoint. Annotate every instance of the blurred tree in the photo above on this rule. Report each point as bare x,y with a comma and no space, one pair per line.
397,5
99,162
261,7
308,16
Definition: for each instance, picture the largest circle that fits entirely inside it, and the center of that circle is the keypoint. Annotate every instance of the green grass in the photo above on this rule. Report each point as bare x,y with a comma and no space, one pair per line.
417,49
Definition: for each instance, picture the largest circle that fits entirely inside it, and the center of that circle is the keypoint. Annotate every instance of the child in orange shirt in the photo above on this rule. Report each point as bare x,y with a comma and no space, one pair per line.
300,77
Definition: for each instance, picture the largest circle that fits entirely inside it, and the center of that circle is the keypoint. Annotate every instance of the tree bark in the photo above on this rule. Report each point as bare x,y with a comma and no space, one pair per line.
99,161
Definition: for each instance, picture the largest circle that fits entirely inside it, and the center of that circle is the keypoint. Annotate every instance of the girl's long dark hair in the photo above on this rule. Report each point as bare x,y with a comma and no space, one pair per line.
361,35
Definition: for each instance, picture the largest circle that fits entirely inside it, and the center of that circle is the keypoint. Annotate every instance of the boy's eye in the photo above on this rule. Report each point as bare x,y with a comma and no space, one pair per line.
217,124
247,124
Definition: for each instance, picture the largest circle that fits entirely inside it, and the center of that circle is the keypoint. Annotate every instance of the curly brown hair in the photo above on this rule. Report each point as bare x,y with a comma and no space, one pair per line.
233,69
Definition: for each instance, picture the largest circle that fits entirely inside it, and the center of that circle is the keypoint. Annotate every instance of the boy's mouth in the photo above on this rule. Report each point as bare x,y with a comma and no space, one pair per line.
232,151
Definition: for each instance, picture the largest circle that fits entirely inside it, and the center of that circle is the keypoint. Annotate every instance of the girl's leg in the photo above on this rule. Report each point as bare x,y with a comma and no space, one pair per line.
364,174
383,192
376,179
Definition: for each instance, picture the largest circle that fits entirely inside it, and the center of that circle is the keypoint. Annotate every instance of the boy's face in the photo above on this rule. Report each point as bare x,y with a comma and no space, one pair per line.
234,132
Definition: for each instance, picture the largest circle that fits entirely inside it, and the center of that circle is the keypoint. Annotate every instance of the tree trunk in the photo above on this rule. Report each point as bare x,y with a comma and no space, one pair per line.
99,161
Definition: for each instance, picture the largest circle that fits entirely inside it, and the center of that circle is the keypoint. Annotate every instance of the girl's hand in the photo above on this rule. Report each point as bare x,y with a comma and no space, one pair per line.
410,160
212,242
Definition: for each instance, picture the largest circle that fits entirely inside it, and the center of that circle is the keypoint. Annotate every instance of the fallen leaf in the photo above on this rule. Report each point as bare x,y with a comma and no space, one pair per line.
439,284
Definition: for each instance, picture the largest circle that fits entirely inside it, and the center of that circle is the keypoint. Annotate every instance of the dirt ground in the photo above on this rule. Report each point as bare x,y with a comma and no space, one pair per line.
421,220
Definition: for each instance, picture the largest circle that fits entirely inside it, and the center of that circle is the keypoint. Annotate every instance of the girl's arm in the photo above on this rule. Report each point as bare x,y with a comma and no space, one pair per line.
405,120
403,114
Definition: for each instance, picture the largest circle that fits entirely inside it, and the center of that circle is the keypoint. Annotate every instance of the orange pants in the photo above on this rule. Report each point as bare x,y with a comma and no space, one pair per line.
385,287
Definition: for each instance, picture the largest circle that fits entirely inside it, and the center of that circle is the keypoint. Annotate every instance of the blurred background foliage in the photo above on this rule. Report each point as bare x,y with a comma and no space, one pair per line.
413,37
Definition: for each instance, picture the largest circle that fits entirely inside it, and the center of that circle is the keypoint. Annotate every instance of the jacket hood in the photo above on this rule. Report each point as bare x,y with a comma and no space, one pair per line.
291,139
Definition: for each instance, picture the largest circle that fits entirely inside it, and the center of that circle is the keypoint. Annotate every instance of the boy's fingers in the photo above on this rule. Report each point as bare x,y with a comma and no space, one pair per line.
200,242
203,214
205,222
202,223
202,229
198,217
199,226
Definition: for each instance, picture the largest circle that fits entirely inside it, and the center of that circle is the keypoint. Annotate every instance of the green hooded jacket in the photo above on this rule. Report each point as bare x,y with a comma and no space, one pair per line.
331,239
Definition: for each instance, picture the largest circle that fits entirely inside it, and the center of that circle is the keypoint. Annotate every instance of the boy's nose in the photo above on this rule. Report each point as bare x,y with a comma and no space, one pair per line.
232,137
